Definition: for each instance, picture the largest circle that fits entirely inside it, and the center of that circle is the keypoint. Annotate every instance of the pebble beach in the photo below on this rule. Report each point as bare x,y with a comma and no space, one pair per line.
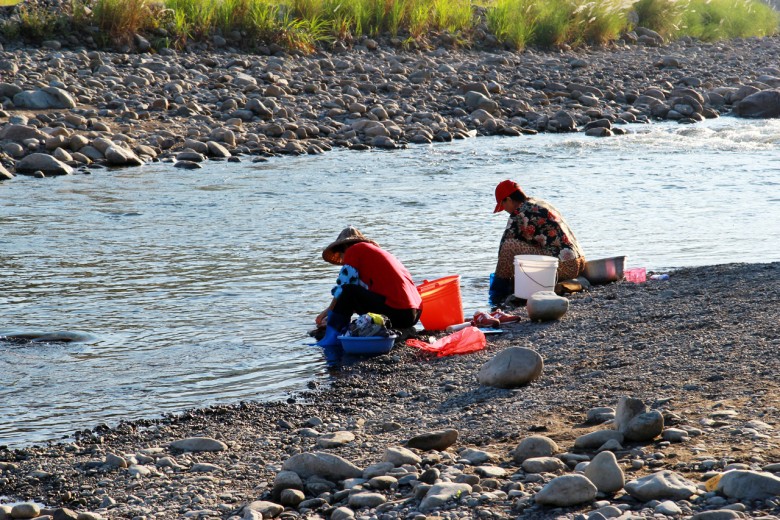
406,435
78,110
657,399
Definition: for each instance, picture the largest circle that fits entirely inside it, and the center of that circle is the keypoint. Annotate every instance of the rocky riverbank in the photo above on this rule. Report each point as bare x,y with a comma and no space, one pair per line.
78,110
407,437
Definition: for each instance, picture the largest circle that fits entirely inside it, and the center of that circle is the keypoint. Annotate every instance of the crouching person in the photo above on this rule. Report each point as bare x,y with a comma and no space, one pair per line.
371,280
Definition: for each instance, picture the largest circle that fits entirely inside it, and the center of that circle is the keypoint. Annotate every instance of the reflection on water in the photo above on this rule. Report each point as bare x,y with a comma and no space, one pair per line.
200,287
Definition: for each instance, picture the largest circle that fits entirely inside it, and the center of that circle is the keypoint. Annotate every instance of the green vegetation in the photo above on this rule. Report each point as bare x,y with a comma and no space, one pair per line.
307,24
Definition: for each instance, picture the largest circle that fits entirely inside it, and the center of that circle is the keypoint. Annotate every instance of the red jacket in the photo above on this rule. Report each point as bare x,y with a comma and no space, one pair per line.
384,274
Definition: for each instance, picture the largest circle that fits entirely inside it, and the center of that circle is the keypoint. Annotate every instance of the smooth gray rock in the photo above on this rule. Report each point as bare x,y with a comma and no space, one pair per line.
440,494
594,440
119,156
335,439
749,485
115,461
605,472
325,465
198,444
285,480
291,497
716,514
47,97
217,150
600,415
566,490
543,465
264,508
376,470
400,456
342,513
366,499
19,133
476,456
42,162
661,486
534,446
438,440
627,409
546,306
510,368
675,435
761,105
25,510
645,427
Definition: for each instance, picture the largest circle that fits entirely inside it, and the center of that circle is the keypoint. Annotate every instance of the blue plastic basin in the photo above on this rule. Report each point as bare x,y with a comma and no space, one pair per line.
368,345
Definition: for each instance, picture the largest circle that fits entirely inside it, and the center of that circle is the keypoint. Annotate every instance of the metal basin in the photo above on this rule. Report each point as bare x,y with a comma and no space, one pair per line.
605,270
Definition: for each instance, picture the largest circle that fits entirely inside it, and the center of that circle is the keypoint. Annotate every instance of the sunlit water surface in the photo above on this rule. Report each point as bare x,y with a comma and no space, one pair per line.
200,286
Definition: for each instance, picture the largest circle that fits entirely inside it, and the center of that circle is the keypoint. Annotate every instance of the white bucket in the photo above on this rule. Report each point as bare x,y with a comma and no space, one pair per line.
534,273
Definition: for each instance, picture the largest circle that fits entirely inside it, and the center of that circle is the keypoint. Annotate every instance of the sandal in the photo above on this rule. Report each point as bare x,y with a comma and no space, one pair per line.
483,319
503,317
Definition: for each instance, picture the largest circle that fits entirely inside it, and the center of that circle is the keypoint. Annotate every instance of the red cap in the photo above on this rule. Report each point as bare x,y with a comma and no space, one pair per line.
503,190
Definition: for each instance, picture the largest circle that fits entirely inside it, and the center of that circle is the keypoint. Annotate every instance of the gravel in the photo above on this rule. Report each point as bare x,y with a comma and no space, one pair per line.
701,348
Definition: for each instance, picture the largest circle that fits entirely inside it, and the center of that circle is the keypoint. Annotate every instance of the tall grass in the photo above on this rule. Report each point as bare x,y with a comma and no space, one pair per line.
712,20
512,22
121,19
553,22
663,16
306,24
599,21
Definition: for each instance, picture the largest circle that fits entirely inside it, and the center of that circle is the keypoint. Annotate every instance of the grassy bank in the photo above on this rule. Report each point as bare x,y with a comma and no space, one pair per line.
307,24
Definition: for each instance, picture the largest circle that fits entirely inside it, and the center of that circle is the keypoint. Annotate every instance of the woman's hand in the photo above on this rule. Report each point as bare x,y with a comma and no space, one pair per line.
322,318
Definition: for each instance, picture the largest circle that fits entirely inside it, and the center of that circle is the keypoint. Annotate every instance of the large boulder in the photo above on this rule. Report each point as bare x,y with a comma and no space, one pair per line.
438,440
512,367
119,156
535,446
605,472
440,494
595,440
634,421
546,306
325,465
198,444
42,162
763,104
566,490
749,485
20,133
47,97
661,486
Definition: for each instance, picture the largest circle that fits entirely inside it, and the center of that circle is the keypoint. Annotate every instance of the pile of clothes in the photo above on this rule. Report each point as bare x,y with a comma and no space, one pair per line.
370,324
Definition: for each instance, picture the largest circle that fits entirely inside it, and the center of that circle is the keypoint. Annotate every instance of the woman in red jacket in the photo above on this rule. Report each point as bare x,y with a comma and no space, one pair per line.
371,280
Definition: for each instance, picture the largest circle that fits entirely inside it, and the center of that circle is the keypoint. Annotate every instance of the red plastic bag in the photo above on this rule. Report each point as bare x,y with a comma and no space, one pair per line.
467,340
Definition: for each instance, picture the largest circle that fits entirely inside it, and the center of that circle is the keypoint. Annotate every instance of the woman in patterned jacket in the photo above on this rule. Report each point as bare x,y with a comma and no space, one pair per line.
535,227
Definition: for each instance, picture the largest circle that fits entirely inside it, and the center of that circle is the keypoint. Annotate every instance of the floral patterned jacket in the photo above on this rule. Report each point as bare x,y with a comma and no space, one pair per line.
538,223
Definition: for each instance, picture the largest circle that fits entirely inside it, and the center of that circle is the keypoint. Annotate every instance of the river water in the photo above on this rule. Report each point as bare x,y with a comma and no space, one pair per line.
198,287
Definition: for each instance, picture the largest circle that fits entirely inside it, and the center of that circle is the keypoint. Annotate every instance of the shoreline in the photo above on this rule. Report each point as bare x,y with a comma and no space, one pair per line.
76,110
699,349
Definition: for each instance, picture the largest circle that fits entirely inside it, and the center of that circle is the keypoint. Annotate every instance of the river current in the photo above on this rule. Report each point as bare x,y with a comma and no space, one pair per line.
198,287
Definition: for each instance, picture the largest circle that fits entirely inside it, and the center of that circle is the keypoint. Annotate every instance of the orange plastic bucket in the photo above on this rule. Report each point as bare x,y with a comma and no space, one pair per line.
442,305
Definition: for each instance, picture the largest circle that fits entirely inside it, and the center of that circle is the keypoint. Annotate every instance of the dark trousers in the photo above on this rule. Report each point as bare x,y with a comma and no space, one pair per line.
359,300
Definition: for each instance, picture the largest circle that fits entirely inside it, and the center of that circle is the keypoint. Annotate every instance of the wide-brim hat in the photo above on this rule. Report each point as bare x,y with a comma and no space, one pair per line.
348,236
